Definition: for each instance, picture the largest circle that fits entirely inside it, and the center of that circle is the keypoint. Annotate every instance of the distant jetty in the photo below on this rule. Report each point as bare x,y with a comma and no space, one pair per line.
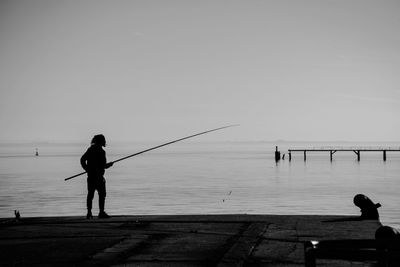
356,150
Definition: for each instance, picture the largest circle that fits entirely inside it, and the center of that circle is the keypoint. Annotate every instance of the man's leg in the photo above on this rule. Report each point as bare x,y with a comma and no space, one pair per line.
89,199
101,189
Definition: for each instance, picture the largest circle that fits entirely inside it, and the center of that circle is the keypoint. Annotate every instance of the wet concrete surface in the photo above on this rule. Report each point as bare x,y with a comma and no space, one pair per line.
181,240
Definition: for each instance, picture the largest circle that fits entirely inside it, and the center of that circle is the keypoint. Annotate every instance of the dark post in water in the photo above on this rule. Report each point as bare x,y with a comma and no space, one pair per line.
277,154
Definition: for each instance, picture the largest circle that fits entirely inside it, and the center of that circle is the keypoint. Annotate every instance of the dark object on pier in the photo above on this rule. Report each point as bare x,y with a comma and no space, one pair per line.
388,246
37,152
345,249
387,235
384,249
17,215
387,232
369,210
277,154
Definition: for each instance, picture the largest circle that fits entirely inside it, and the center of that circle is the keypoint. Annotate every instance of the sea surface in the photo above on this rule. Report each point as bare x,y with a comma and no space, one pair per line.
201,178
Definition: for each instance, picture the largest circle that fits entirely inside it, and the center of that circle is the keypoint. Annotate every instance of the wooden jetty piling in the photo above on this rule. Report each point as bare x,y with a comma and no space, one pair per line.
333,150
277,154
358,154
331,153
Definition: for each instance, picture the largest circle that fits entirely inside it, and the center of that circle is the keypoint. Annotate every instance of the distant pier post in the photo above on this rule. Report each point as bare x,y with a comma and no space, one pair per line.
384,155
331,153
305,155
358,154
290,155
277,154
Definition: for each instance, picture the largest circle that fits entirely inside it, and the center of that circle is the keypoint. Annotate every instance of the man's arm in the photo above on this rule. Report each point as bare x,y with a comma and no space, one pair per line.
108,165
83,161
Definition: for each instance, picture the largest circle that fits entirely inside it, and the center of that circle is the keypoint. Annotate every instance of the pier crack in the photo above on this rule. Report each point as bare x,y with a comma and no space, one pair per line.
244,245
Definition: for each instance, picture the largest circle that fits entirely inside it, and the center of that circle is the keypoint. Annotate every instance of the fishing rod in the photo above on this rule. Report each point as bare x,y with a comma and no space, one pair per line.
152,148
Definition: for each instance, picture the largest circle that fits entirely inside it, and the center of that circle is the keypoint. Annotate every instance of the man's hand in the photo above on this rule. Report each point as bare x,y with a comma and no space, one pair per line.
108,165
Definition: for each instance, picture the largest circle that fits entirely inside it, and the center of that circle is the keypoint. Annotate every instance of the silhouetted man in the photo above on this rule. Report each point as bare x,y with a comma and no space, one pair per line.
94,163
369,210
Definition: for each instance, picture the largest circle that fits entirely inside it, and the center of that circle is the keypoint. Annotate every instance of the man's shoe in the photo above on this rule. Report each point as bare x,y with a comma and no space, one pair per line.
89,215
103,215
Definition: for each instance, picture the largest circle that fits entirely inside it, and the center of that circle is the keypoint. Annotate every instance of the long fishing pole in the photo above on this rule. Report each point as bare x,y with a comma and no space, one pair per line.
152,148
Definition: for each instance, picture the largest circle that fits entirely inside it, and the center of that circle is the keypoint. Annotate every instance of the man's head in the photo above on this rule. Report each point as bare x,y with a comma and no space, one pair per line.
99,140
360,200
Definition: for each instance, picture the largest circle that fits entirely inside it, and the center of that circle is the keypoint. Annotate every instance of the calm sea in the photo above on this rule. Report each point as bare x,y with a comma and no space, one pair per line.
200,178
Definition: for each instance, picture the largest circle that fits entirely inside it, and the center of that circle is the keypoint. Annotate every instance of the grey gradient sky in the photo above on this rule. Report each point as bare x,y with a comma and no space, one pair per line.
156,70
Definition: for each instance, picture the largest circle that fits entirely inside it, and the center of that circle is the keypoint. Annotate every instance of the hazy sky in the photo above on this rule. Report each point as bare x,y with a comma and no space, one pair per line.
159,70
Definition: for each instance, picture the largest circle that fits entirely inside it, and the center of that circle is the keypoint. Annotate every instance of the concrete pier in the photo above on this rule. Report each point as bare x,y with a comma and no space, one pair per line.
186,240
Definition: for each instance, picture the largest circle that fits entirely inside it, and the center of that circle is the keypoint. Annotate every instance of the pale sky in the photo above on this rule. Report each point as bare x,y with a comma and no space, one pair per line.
156,70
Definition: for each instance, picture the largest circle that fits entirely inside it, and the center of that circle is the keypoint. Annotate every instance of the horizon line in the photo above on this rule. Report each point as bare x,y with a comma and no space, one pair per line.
278,141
